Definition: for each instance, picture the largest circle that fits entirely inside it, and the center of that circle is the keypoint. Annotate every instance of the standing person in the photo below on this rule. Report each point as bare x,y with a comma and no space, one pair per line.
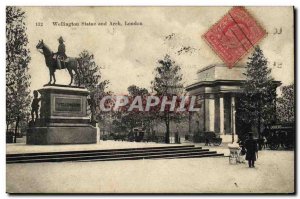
251,148
35,106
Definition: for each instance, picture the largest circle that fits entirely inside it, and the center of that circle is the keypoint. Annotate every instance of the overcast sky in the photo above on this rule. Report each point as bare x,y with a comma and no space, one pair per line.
129,54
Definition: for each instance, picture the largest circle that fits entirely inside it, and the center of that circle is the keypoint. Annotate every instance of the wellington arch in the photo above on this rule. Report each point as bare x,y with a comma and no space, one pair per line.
218,89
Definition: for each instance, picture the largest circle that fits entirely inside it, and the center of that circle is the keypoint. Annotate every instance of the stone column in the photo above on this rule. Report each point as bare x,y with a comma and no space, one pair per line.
221,114
233,115
211,112
98,133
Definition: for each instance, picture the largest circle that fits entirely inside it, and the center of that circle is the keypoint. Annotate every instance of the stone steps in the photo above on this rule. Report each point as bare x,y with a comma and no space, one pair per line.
168,152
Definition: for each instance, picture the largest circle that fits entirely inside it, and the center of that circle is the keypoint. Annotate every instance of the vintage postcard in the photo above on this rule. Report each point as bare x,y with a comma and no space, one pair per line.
150,100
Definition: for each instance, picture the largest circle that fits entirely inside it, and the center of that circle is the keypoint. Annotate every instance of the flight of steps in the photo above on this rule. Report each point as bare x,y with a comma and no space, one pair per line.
170,152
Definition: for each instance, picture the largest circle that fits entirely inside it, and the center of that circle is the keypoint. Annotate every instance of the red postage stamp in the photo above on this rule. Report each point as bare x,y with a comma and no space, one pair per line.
234,35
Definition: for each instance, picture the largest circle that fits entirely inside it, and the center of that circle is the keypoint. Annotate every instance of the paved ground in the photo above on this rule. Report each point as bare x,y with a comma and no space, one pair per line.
274,173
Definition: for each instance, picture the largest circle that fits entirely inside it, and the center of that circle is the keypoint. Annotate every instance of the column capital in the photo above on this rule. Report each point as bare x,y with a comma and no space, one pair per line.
210,96
219,95
233,94
201,96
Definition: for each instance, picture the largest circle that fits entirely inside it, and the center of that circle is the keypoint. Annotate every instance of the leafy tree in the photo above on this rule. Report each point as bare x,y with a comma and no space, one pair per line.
136,118
134,90
90,77
168,82
118,126
104,118
17,77
17,53
286,104
257,103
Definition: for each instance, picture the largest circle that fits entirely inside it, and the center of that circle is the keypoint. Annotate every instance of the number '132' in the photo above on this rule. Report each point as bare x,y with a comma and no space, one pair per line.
39,24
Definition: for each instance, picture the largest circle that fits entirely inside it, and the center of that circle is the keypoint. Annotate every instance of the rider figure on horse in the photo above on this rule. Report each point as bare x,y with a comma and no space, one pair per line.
61,52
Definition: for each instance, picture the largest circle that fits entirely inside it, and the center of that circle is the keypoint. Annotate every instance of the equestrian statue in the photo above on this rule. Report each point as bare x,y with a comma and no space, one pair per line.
59,60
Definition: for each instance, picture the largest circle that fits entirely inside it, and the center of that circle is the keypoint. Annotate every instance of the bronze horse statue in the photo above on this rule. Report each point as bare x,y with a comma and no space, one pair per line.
71,65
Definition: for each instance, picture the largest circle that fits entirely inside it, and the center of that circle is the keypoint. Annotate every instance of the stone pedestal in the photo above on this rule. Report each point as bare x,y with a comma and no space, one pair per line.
63,118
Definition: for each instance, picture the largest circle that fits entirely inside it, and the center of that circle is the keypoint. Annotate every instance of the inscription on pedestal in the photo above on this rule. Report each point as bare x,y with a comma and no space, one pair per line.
67,105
